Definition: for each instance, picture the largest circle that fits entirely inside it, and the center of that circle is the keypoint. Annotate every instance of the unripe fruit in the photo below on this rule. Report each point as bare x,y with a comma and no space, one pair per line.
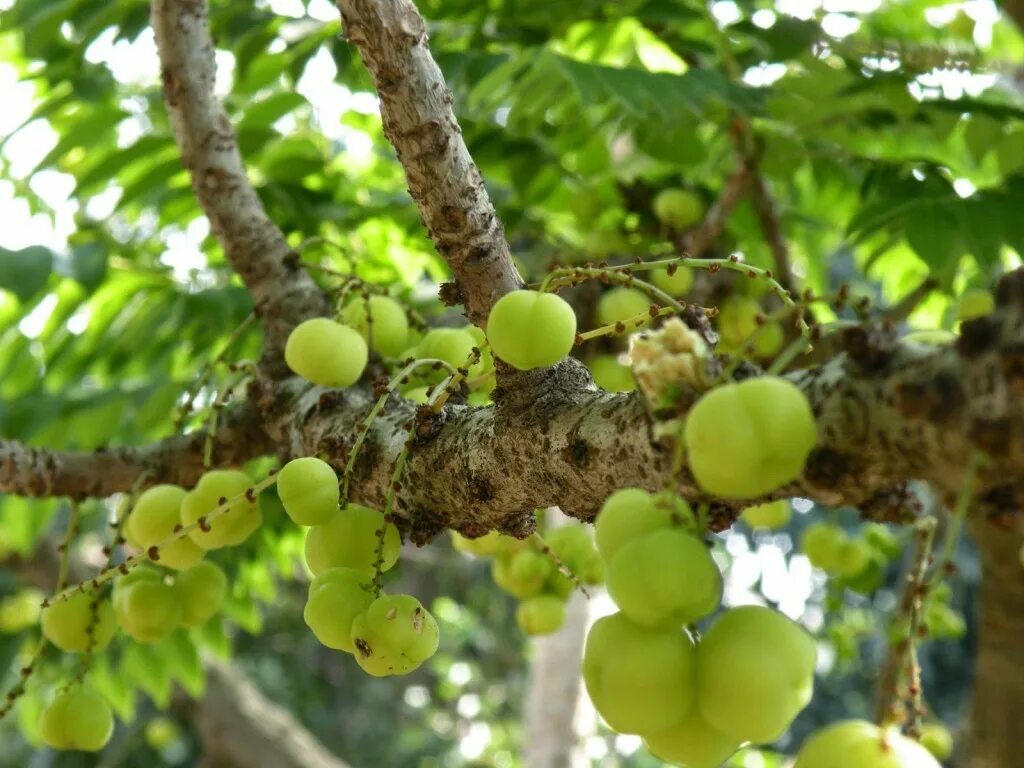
976,302
541,615
859,744
525,581
489,545
201,592
854,557
748,439
530,329
611,375
154,518
394,635
417,394
693,743
755,672
632,512
20,610
640,680
349,540
66,623
678,208
771,516
78,718
620,304
677,284
326,353
335,599
452,345
937,739
147,609
308,489
664,579
823,544
738,320
229,528
390,327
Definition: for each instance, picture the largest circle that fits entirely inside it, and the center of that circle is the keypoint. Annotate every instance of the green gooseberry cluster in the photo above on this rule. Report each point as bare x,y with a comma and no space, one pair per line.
79,719
860,744
453,346
858,562
739,318
770,516
380,321
525,571
150,604
694,703
746,439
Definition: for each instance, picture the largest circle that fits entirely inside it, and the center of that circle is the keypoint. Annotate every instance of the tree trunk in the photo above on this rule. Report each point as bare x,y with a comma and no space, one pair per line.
993,733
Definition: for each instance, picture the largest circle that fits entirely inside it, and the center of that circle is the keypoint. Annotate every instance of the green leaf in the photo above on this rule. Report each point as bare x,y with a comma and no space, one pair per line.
1010,152
25,272
89,264
933,232
981,135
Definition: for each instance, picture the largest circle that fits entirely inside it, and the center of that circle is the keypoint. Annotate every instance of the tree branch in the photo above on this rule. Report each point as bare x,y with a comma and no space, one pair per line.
416,109
27,471
284,294
696,241
771,226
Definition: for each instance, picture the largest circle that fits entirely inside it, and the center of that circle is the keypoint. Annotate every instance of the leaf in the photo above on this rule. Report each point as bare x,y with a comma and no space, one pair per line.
933,232
266,112
981,135
25,272
1010,152
89,264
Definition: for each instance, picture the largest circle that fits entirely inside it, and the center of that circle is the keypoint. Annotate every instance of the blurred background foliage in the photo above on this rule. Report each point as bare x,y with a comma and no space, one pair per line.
890,134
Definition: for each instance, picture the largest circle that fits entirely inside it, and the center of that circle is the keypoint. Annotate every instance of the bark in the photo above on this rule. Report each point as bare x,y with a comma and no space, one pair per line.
284,294
416,109
993,738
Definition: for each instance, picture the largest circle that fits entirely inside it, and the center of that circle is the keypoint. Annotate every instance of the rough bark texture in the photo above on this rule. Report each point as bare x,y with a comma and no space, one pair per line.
416,109
284,294
993,733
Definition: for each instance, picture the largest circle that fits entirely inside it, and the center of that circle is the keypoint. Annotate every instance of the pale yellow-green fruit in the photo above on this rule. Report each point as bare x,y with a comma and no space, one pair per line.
78,719
737,323
619,304
676,284
335,599
936,738
530,329
490,544
453,345
678,208
823,544
640,680
326,353
20,610
665,578
201,592
859,744
747,439
394,635
611,375
632,512
772,515
692,743
541,615
349,540
153,520
390,327
66,623
976,302
228,528
755,672
308,489
147,609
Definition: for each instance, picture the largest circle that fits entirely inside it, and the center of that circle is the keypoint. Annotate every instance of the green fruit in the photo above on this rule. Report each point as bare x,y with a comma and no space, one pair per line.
418,394
66,623
665,578
748,439
677,284
78,719
541,615
883,540
975,303
489,545
859,744
390,326
936,738
854,558
692,743
530,329
773,515
678,208
326,353
147,609
349,540
335,599
611,375
453,345
621,304
20,610
394,635
737,322
823,544
640,680
755,672
632,512
153,519
529,582
230,527
161,733
574,546
308,489
201,592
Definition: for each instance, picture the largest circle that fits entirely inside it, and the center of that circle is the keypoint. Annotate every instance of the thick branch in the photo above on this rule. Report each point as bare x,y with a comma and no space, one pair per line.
284,294
416,108
29,471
